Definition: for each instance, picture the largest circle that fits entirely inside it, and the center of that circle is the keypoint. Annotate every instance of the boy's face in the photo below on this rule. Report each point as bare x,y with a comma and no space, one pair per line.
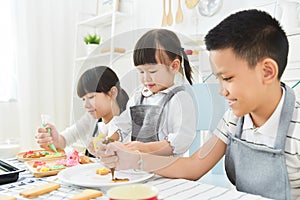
240,85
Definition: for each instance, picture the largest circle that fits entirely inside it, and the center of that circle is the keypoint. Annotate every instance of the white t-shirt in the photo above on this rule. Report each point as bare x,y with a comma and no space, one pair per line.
266,135
179,117
81,131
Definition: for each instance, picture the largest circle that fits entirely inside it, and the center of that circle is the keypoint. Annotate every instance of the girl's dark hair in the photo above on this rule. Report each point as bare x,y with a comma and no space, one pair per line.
101,79
161,42
252,35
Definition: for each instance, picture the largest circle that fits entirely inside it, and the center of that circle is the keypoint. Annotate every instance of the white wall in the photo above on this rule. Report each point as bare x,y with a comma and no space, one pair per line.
148,14
194,23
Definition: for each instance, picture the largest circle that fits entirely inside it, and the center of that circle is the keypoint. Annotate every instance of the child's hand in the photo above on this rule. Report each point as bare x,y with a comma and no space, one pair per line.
136,145
43,138
117,155
96,146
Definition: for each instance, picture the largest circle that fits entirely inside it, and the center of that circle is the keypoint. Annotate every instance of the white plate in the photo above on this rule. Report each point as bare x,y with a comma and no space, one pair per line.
85,175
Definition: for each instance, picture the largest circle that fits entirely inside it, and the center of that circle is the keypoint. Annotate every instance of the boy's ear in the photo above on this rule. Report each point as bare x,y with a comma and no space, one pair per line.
175,65
113,92
269,70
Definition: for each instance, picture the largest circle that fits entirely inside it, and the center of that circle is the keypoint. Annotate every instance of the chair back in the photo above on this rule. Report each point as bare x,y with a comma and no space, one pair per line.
210,108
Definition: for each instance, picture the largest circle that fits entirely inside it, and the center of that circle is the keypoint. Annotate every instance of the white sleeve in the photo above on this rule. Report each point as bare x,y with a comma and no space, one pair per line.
226,125
182,121
81,131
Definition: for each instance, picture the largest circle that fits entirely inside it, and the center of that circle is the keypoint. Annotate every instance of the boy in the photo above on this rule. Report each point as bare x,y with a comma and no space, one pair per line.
259,133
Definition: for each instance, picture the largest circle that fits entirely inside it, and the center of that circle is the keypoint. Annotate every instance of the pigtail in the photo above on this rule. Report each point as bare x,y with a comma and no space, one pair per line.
186,66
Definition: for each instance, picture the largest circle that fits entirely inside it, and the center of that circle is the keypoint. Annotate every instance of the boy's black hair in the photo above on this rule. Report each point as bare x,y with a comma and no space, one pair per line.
101,79
161,41
252,35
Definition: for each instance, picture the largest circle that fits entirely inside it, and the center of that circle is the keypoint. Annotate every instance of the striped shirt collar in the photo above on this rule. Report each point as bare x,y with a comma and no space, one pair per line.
270,127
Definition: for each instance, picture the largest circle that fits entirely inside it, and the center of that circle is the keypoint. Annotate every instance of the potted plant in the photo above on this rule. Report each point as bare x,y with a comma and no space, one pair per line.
92,42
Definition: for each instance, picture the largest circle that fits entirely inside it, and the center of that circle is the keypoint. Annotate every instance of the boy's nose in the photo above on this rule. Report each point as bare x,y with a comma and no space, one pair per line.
223,92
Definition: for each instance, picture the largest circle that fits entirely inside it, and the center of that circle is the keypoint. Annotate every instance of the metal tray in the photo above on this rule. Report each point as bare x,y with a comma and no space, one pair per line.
8,173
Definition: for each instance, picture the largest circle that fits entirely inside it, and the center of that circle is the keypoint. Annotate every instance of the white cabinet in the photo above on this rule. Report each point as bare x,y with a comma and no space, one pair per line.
198,56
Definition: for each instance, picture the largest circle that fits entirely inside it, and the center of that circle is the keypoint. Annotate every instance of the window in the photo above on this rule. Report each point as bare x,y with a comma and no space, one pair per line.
8,81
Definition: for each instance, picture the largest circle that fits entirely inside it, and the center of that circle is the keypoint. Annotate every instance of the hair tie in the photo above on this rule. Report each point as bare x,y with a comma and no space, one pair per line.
181,49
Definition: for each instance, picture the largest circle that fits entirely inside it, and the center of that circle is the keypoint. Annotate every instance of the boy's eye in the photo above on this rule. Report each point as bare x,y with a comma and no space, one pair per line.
227,79
91,97
152,72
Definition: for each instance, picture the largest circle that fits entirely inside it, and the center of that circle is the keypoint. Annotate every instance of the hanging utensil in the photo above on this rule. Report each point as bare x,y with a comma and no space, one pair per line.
191,3
164,19
179,14
170,16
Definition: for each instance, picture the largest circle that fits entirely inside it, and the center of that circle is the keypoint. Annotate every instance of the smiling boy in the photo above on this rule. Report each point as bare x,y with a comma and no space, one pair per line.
260,133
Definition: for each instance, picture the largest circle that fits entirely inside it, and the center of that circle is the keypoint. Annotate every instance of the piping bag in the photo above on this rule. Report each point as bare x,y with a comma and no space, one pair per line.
45,120
105,141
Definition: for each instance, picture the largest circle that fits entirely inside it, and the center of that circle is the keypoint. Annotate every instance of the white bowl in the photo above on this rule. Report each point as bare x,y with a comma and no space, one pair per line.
9,148
135,191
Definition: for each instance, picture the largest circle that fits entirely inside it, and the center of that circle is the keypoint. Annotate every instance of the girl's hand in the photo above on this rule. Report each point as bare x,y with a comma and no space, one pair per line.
96,147
43,138
136,145
118,156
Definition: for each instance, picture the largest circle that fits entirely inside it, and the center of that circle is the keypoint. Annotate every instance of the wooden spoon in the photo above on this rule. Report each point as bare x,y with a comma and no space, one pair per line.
179,15
164,19
170,16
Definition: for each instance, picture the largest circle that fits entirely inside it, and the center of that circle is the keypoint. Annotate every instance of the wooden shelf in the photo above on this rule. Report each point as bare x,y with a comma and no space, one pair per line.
102,20
293,32
194,40
98,57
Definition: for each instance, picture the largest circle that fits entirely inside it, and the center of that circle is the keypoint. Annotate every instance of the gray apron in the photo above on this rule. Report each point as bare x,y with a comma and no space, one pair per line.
257,169
147,118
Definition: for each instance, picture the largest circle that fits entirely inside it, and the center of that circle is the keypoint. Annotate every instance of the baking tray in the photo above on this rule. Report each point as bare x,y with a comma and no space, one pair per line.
39,174
51,162
22,159
8,173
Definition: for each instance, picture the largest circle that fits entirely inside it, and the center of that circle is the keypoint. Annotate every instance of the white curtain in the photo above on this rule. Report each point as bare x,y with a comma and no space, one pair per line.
45,59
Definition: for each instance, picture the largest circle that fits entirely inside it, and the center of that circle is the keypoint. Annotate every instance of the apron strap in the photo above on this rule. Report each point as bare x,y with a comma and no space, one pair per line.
285,117
239,130
170,94
166,99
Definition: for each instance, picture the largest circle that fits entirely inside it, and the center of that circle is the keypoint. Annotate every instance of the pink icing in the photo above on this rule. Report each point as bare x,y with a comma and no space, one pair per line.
71,160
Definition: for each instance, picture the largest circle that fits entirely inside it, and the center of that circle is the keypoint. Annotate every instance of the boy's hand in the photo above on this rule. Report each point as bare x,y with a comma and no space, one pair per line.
117,155
43,138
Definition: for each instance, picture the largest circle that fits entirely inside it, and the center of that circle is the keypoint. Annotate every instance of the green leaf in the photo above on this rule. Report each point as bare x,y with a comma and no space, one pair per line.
92,39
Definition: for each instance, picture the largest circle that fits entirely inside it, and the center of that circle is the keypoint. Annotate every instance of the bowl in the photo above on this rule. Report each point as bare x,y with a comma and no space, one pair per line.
9,148
135,191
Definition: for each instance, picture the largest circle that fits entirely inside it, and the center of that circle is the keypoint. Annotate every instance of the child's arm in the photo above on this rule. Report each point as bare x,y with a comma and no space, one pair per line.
162,148
192,168
115,136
